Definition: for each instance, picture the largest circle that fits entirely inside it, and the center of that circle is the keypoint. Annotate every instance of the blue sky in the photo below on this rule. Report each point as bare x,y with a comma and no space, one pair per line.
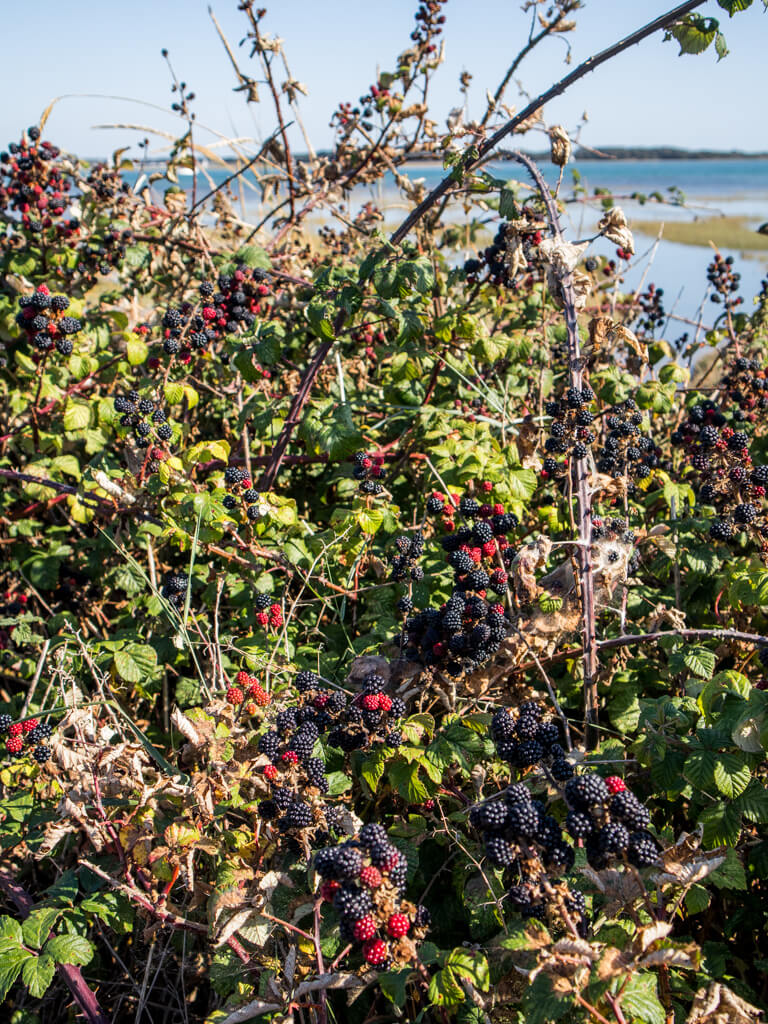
646,96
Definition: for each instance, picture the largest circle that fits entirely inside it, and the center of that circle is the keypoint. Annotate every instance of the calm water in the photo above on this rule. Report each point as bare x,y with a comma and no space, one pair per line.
711,188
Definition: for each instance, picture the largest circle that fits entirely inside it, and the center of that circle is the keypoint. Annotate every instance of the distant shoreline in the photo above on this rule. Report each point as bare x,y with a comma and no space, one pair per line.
600,154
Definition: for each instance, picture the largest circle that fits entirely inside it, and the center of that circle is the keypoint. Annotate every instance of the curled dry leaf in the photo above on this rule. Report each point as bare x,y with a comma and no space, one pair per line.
560,145
720,1005
613,224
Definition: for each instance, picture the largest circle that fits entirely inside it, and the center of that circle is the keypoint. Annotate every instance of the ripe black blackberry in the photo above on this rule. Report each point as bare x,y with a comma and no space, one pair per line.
5,723
297,815
626,807
233,475
339,862
584,791
642,850
269,744
172,319
469,507
489,817
41,754
613,838
721,529
579,450
306,681
39,733
522,821
500,852
261,602
164,432
268,810
435,505
578,824
745,513
352,901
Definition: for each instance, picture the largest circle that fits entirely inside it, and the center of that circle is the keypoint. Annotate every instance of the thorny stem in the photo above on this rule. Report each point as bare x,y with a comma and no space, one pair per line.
469,161
69,973
579,471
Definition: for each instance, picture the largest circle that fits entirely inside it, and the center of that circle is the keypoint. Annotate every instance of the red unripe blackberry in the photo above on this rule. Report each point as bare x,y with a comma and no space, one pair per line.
242,678
375,952
258,695
290,757
371,702
364,928
328,890
384,702
16,729
270,772
30,724
398,926
615,784
371,877
14,745
234,696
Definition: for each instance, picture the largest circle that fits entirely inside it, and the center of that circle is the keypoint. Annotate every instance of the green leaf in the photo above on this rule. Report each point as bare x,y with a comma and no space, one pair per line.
76,416
730,874
700,768
471,965
38,925
11,963
37,974
640,999
694,33
753,803
734,6
254,256
445,990
405,779
700,661
696,899
732,775
394,985
136,350
70,949
373,767
135,662
722,824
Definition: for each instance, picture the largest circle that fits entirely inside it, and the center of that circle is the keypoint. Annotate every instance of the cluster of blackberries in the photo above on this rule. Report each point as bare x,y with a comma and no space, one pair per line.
290,744
27,737
174,588
231,306
530,898
368,469
242,496
247,694
524,739
651,302
466,631
627,452
102,255
148,421
517,830
403,565
33,182
728,480
745,389
494,259
611,529
365,879
429,22
370,719
43,317
725,281
570,430
610,820
269,613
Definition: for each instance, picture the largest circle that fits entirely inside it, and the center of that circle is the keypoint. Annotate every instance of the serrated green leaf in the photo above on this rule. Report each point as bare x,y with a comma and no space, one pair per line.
11,963
37,926
70,949
37,974
640,1000
77,415
135,662
732,775
700,768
